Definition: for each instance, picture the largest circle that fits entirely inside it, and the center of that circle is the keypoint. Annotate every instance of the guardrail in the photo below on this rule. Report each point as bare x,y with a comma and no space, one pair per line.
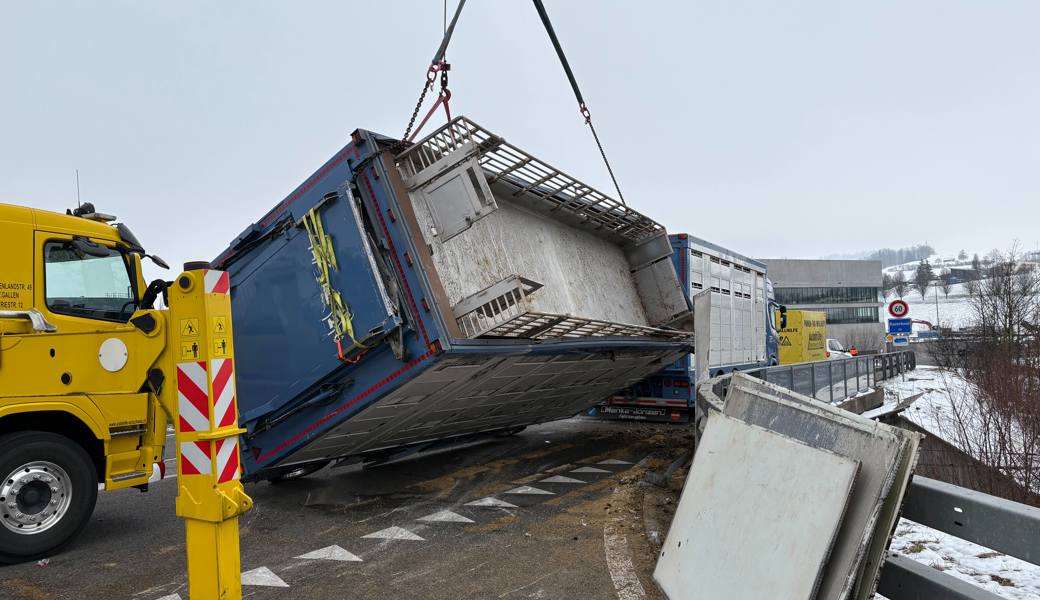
1001,525
832,381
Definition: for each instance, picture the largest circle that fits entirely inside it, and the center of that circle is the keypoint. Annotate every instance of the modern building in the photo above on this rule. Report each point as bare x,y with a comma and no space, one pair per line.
849,291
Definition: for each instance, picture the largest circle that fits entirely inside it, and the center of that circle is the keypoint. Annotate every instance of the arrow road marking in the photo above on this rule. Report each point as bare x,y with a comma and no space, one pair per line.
332,553
264,577
492,502
394,533
562,479
445,516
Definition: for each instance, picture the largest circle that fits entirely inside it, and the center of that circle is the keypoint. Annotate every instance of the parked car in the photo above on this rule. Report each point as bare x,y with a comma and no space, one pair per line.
835,351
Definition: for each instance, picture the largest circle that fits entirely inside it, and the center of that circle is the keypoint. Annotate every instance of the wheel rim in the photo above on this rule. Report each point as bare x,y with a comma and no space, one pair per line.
34,497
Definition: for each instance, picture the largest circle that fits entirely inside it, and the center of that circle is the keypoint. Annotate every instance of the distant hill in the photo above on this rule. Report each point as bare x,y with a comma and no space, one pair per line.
888,256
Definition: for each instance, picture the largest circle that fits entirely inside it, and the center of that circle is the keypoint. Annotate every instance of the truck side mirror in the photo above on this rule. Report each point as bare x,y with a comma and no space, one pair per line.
783,318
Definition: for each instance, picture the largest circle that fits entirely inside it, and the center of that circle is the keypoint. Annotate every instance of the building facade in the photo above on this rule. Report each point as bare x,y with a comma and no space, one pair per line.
849,291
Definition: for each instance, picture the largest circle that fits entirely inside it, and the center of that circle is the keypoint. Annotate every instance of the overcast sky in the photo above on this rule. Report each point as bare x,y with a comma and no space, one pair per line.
794,129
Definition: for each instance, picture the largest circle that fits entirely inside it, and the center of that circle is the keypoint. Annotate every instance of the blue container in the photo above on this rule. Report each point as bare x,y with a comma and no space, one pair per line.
352,337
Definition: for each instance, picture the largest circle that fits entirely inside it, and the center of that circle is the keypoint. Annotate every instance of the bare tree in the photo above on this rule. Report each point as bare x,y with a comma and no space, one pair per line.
945,282
886,284
899,284
923,277
995,415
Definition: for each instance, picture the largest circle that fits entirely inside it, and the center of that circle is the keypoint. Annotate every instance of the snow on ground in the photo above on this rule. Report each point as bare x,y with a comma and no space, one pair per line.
934,410
1003,575
953,311
998,573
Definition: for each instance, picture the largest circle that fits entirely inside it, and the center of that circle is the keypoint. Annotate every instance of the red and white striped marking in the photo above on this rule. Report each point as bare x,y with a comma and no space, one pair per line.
196,458
227,459
193,396
217,282
225,409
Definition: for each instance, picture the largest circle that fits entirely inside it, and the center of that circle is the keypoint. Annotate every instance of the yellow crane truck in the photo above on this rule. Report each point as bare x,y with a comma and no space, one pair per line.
90,374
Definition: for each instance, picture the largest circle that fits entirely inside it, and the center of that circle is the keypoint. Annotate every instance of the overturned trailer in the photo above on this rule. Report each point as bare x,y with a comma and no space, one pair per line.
408,294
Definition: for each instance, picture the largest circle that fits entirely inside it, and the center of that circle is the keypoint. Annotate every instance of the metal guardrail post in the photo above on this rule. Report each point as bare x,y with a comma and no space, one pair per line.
830,380
812,375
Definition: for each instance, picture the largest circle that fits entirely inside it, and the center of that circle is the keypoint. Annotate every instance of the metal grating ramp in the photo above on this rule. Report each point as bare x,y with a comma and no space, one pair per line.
554,189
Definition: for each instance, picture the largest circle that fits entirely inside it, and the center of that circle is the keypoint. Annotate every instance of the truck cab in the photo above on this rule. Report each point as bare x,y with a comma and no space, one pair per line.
80,371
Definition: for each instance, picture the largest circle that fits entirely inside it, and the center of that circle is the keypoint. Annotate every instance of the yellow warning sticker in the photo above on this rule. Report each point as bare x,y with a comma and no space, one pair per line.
219,325
785,341
190,350
889,337
220,347
189,328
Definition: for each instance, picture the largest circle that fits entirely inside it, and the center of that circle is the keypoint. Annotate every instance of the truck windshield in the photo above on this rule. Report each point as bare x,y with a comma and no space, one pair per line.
83,285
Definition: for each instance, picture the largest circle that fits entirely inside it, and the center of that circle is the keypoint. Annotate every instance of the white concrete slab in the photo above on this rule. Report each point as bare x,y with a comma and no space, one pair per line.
590,470
613,461
753,500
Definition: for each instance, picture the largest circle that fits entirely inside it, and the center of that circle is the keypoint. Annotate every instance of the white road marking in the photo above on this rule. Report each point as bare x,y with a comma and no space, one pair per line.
619,563
590,470
613,461
170,597
492,502
263,576
562,479
445,516
526,489
332,553
394,533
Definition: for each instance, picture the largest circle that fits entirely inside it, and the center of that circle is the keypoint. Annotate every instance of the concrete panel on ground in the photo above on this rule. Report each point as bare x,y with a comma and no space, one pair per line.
753,501
886,455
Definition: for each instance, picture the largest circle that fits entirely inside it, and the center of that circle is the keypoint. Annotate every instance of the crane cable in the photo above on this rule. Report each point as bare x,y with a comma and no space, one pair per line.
582,107
437,65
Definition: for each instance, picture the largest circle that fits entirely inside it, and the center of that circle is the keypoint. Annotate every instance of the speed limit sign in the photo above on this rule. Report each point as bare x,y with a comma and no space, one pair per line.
898,308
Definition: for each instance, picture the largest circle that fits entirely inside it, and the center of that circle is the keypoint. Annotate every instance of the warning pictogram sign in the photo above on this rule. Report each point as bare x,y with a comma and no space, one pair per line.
785,341
219,326
189,328
189,350
220,347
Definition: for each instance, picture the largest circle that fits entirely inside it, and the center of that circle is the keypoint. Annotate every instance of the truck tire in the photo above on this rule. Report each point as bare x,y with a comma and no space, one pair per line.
298,472
47,494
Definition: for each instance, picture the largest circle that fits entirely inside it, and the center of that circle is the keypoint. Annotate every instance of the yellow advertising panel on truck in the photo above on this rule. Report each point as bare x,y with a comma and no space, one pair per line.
804,339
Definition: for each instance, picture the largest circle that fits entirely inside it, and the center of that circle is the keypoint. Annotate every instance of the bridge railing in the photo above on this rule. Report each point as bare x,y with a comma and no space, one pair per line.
832,381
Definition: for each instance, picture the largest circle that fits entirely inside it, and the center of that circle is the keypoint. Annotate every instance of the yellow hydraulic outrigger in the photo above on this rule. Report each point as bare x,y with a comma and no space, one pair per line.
201,399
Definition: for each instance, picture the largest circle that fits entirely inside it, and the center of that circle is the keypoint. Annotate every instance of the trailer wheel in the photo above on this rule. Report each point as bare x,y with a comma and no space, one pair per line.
511,432
47,494
297,472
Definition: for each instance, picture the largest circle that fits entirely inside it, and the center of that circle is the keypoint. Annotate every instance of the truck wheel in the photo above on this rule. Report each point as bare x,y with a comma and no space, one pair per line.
294,473
47,494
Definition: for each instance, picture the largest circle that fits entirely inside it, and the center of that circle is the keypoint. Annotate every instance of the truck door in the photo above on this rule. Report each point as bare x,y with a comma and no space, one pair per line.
87,290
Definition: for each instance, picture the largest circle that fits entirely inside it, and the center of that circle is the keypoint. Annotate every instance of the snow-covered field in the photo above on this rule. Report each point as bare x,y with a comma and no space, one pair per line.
953,311
998,573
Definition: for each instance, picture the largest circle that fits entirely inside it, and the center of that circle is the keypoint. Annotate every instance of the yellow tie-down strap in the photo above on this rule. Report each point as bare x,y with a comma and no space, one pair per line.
325,261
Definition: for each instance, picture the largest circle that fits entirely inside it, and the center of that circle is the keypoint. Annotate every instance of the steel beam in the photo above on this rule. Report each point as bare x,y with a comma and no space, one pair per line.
996,523
904,578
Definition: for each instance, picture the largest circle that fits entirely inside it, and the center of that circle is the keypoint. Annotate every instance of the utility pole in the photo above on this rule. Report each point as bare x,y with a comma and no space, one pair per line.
936,286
